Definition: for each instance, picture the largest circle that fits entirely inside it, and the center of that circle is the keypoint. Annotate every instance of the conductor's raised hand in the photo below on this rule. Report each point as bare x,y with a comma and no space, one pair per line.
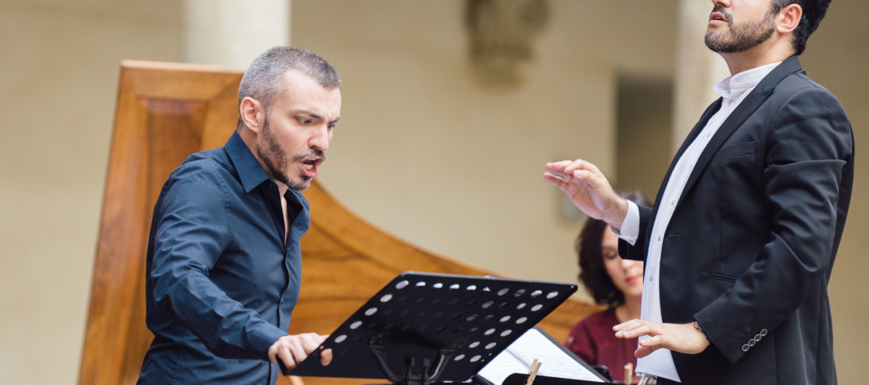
293,349
588,189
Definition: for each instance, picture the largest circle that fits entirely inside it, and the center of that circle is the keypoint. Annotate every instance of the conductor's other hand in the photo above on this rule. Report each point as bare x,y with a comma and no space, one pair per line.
588,189
294,349
682,338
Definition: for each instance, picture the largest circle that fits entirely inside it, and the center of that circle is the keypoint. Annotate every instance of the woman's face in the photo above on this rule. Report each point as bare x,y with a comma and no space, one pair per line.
626,274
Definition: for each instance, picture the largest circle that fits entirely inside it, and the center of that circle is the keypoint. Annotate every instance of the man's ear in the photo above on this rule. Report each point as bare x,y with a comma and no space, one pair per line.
252,114
789,19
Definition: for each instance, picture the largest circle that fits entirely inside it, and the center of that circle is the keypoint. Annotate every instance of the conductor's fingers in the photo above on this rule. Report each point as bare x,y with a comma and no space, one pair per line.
634,323
643,351
557,168
649,345
559,164
580,164
654,342
642,330
589,178
556,181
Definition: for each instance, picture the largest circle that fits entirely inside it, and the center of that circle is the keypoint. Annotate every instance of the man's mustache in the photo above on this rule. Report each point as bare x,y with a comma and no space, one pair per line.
720,9
311,154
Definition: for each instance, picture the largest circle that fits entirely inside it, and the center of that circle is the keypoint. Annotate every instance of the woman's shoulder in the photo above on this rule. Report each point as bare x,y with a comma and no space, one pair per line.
588,334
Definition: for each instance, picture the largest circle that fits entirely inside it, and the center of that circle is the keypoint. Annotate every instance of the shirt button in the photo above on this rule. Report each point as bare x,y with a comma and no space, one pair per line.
659,238
673,203
651,277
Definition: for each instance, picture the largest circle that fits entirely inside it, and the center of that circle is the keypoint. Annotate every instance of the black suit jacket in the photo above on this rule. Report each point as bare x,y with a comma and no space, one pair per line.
749,250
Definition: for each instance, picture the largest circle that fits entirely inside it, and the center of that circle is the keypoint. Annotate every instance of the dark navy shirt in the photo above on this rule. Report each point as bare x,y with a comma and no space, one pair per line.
220,284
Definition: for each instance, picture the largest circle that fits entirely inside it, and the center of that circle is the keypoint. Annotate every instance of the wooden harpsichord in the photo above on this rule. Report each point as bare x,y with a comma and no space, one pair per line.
165,112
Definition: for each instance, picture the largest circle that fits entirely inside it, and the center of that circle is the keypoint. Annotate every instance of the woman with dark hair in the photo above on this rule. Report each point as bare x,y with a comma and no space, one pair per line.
613,282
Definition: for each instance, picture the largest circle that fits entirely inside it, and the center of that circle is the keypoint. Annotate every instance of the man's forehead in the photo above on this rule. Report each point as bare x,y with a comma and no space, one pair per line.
304,92
298,78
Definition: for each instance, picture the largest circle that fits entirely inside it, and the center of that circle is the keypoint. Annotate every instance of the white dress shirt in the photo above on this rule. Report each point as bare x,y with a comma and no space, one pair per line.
733,90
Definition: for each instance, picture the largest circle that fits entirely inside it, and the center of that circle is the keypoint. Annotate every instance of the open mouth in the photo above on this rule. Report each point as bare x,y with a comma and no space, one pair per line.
311,164
717,16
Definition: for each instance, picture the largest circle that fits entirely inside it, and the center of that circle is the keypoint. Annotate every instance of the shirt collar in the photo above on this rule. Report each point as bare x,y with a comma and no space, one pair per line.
249,170
732,87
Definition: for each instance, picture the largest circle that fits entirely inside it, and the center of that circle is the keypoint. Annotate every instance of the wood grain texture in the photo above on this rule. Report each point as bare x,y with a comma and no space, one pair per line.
165,112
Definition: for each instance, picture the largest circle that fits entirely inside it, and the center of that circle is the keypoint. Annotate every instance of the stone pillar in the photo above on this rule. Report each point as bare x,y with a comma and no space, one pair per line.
697,69
231,33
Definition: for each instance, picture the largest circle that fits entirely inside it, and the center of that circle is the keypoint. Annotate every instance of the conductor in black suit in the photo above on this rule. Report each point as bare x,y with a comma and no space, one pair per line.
741,242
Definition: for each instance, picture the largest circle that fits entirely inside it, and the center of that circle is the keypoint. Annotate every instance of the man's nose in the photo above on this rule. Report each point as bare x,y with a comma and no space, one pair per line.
721,3
320,139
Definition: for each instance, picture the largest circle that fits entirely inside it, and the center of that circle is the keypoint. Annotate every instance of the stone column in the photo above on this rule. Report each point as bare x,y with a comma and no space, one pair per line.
697,69
231,33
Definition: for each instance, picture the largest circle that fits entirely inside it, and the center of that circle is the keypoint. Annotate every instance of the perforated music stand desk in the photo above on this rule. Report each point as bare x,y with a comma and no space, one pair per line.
422,328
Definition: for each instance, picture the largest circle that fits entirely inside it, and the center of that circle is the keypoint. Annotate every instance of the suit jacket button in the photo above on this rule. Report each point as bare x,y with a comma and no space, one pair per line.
763,333
751,342
745,347
757,338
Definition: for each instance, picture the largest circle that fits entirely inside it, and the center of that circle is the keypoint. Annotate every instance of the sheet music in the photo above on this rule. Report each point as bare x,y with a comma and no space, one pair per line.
517,358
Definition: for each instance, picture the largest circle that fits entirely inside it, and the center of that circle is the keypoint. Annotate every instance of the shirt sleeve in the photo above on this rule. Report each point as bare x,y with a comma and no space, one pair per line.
191,233
630,228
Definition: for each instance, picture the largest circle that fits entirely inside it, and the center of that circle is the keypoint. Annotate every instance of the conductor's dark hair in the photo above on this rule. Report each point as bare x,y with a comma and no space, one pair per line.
263,78
592,272
813,12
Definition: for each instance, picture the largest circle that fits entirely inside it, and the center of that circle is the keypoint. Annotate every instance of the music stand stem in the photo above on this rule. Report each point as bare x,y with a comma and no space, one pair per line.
377,344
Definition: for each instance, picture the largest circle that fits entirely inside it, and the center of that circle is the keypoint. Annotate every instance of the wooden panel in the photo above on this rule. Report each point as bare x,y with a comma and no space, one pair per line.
162,114
167,111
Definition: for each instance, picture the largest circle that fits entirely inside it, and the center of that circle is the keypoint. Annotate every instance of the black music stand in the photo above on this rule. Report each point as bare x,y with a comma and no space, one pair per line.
423,328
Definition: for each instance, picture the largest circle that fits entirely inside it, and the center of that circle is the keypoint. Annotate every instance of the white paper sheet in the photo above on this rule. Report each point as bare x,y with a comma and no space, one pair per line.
517,358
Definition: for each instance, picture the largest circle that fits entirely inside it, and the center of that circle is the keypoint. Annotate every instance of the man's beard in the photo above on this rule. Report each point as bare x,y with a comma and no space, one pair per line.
275,158
741,37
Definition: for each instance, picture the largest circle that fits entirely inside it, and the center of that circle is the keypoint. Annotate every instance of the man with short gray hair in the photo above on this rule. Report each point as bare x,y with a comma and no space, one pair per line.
224,261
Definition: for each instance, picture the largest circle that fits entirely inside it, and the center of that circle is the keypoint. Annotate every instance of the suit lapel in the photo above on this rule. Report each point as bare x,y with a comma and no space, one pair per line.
711,110
745,109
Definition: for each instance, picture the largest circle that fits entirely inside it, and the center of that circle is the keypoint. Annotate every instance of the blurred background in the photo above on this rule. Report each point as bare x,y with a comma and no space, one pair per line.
451,109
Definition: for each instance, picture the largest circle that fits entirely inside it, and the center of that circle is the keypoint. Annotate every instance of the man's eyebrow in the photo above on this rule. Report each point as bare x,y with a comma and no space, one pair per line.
314,115
308,113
